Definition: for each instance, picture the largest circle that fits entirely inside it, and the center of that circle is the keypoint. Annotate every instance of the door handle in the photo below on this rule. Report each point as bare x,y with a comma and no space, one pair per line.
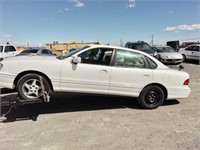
104,71
146,75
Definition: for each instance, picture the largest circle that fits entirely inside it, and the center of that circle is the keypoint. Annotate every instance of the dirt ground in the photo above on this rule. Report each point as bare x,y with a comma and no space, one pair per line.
81,122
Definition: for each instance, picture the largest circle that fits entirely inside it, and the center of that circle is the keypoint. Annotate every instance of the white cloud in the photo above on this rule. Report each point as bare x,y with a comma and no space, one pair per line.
170,12
78,3
64,10
8,38
60,11
183,28
67,9
5,38
132,3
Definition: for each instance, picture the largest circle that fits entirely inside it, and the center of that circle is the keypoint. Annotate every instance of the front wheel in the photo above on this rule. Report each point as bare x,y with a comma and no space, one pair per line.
151,97
184,57
29,86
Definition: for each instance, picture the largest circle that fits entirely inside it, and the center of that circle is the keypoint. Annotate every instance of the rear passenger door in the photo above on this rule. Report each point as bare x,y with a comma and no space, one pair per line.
192,52
195,54
129,73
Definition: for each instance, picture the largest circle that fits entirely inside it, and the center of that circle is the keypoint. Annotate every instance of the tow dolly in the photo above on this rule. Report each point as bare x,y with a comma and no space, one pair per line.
14,103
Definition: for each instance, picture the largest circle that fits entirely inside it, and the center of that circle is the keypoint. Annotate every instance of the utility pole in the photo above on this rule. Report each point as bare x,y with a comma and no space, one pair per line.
152,40
27,44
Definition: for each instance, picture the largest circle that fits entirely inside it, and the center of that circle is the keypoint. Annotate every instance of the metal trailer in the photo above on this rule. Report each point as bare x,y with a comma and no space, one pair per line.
15,102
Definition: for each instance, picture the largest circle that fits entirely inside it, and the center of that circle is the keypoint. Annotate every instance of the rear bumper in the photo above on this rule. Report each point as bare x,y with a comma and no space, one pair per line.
178,93
7,80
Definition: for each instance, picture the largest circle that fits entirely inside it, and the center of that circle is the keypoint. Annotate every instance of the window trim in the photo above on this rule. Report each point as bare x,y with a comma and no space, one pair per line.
104,48
146,64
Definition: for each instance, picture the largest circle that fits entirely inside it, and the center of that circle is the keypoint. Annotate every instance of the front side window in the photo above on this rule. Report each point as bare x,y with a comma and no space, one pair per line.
189,48
129,59
10,49
101,56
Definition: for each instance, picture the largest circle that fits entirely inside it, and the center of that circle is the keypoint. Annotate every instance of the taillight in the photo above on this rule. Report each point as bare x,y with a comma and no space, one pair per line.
186,82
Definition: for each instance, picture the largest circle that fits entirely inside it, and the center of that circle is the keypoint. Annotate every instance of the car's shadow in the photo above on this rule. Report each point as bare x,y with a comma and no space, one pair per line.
195,62
72,103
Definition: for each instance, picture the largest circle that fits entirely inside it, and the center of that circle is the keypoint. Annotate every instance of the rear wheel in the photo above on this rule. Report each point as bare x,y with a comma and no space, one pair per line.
151,97
29,86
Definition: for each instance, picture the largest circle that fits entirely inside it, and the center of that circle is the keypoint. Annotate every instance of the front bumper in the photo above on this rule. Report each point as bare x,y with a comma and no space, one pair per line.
7,80
171,61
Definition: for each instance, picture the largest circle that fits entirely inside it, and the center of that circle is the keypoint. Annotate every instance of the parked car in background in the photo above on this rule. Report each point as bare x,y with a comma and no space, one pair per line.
7,51
96,69
168,55
191,52
142,46
44,52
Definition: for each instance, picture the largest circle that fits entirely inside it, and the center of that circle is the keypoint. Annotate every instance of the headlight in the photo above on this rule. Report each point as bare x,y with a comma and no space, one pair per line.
155,53
1,65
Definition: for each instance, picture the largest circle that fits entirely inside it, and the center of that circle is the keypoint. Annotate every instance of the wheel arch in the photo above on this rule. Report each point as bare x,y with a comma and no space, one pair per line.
33,72
159,85
184,57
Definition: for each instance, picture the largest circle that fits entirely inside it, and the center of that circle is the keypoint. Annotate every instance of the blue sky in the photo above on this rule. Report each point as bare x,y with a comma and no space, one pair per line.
42,21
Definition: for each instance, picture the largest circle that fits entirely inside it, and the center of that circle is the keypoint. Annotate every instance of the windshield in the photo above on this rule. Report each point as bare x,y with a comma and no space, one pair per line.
29,51
142,46
72,52
165,49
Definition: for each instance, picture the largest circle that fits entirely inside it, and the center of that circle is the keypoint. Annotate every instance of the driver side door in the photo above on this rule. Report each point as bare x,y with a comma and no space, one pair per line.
91,75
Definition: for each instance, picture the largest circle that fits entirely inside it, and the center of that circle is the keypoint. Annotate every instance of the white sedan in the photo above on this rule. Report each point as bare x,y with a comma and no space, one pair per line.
191,52
168,55
96,69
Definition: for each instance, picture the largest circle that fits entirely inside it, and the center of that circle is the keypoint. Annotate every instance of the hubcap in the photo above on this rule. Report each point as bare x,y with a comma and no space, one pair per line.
32,88
152,97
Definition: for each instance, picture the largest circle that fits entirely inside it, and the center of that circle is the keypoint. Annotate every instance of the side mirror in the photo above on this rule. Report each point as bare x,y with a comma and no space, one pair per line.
76,60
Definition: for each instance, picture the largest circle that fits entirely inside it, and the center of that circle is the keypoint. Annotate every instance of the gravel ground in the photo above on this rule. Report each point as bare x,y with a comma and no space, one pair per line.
108,123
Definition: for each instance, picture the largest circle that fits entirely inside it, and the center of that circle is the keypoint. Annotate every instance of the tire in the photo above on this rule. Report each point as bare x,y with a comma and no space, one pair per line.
29,86
184,58
151,97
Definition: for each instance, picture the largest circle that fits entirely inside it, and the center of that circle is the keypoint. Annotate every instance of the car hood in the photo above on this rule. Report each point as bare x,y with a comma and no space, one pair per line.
171,55
47,65
149,51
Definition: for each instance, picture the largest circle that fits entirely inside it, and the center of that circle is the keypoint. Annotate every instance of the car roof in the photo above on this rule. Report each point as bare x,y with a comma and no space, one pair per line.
193,45
117,47
138,42
163,46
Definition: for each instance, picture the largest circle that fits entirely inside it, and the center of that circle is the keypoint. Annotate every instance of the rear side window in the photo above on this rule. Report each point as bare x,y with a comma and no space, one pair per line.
45,51
10,49
196,48
151,63
129,59
189,48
